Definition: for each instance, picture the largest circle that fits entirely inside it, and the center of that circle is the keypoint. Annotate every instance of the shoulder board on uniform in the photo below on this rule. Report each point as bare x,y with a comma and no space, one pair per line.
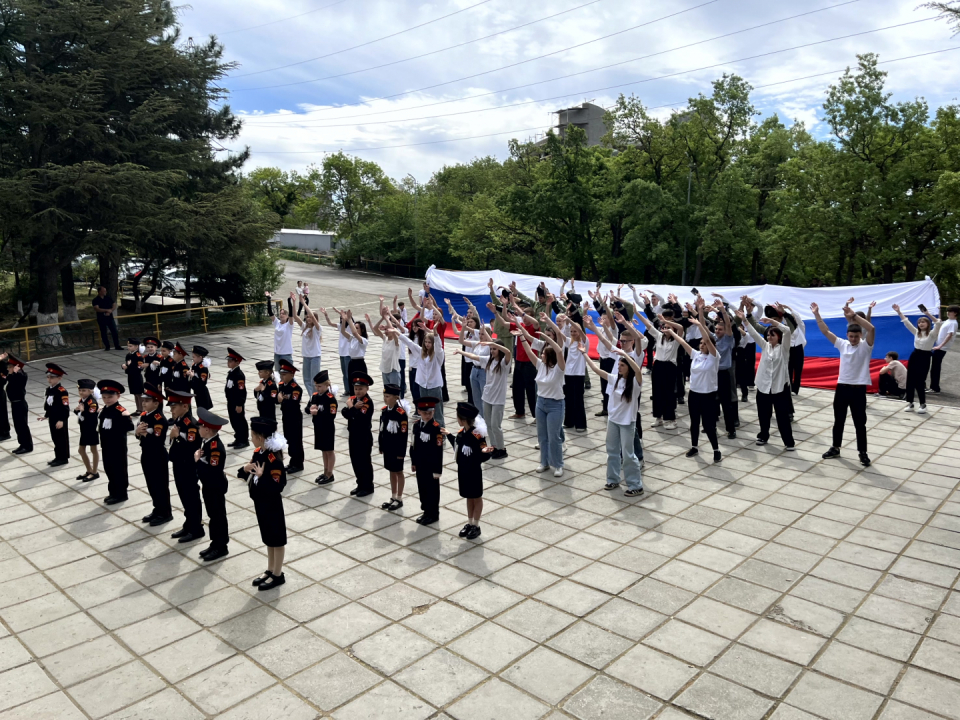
436,424
271,457
185,420
120,408
213,444
400,409
478,436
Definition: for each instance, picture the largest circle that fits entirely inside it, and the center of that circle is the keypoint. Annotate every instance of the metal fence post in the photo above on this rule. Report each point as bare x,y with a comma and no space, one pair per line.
26,340
246,322
156,323
203,312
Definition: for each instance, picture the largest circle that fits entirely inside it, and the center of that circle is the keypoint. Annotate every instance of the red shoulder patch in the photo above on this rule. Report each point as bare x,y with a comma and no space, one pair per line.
121,408
213,444
271,457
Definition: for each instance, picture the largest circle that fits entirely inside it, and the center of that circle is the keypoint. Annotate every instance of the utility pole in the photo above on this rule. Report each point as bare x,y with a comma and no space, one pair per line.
686,241
416,224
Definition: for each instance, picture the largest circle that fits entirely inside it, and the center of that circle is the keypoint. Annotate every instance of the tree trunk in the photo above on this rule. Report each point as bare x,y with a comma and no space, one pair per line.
109,276
843,261
699,268
887,273
68,290
754,266
783,266
48,310
187,286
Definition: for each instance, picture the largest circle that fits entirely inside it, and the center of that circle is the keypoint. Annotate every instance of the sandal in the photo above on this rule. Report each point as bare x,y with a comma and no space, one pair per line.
394,504
257,582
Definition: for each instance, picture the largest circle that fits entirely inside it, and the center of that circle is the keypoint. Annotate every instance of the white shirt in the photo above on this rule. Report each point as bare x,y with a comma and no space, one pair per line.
403,315
576,365
495,389
310,341
282,337
693,333
948,326
428,368
927,341
854,362
549,381
602,350
357,347
390,358
619,410
772,372
666,351
799,336
343,342
703,372
473,335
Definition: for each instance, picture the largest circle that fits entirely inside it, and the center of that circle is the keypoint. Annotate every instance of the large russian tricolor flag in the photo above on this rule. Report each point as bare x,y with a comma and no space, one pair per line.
822,360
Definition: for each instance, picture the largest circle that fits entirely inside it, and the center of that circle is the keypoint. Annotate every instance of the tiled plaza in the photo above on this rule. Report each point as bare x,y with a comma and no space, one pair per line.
774,585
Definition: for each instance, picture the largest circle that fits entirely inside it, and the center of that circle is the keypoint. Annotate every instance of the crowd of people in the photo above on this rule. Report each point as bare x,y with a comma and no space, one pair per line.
702,354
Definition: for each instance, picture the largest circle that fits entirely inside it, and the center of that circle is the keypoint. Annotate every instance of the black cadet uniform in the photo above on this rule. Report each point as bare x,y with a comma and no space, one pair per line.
182,449
213,481
267,398
114,426
236,394
360,436
266,493
4,416
178,373
56,408
134,363
198,383
324,430
469,464
166,366
291,415
17,394
393,436
152,375
87,416
426,459
153,459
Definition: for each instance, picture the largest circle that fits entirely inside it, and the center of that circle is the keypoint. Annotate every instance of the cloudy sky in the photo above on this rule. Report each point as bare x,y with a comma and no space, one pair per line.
391,80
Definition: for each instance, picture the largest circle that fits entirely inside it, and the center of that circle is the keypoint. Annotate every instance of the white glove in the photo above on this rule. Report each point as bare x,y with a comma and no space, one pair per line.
177,374
393,426
467,451
108,423
50,401
163,371
260,397
229,384
424,437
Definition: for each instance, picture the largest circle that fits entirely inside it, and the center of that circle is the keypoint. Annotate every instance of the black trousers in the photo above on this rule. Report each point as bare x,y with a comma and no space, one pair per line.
60,438
703,411
115,466
795,368
779,403
935,363
575,413
727,399
854,398
238,421
414,388
682,360
429,489
524,386
188,490
360,459
108,325
607,365
215,498
156,472
355,365
293,432
664,380
4,417
917,370
21,424
746,367
888,386
443,374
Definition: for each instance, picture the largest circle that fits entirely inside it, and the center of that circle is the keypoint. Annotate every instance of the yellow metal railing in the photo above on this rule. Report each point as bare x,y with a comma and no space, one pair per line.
157,325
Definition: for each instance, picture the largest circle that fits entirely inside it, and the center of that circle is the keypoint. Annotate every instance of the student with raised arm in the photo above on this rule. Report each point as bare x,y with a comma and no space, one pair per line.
494,357
343,349
948,332
925,336
550,365
390,356
282,330
573,337
773,393
664,373
853,380
357,333
726,343
429,360
702,396
422,307
310,336
798,341
623,387
606,343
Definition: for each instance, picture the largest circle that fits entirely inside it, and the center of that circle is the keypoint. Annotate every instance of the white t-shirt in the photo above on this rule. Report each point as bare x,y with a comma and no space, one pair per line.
620,411
428,369
358,347
703,372
603,351
475,336
390,358
282,337
799,336
495,389
575,364
693,333
343,342
854,362
549,381
310,341
665,351
949,326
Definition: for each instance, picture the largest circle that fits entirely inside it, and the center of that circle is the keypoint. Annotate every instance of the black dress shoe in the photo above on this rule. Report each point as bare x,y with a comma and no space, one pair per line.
257,582
148,518
324,480
160,520
465,530
274,581
427,519
82,477
216,554
241,445
4,438
22,450
362,493
831,453
190,537
91,478
474,533
293,469
57,463
113,500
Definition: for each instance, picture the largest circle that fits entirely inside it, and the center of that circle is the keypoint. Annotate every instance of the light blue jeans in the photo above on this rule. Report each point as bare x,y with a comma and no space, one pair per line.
550,431
311,366
392,378
436,392
278,358
478,378
620,442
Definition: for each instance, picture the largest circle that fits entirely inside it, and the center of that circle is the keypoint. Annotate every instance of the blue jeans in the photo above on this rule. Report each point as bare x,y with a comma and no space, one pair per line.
403,378
550,431
620,441
436,392
391,378
278,358
345,369
478,378
311,366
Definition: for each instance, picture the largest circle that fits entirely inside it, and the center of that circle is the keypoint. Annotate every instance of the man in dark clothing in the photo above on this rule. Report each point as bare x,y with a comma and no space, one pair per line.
17,394
106,307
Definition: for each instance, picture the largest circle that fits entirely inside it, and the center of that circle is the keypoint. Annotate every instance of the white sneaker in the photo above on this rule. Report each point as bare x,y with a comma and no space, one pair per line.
909,408
670,425
542,468
558,472
922,410
537,446
657,422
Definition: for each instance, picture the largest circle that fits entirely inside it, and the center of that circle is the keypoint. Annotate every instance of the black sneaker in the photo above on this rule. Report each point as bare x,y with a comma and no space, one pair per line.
634,493
831,453
717,457
732,435
864,459
602,413
761,442
691,452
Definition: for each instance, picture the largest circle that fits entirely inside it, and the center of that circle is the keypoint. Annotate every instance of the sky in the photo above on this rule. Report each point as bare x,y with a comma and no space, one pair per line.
415,85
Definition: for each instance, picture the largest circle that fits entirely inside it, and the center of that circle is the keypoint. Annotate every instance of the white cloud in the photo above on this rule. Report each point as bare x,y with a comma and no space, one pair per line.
291,118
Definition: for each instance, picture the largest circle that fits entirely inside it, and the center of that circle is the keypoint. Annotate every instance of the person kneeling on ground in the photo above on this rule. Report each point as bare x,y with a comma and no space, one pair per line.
893,377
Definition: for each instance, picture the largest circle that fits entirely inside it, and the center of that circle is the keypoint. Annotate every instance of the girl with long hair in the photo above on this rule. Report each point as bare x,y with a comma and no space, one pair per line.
390,356
550,400
266,479
429,360
925,335
357,332
664,373
494,358
773,392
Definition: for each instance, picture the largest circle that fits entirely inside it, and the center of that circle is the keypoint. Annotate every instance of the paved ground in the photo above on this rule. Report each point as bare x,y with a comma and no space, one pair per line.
774,585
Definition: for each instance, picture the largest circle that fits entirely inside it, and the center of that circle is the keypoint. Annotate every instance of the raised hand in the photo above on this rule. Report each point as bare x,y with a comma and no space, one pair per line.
814,308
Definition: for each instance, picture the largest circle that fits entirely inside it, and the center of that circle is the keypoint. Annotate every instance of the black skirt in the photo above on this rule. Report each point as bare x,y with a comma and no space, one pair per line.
88,432
324,438
471,484
273,527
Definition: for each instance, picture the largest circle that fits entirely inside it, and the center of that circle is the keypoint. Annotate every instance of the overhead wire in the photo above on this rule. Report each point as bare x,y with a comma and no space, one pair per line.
280,20
532,84
510,132
364,44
